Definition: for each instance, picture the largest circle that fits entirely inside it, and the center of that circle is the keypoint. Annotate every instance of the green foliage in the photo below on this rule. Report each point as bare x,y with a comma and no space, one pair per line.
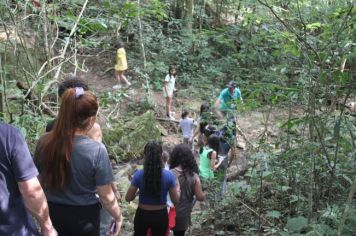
274,214
32,128
109,98
125,141
296,54
296,224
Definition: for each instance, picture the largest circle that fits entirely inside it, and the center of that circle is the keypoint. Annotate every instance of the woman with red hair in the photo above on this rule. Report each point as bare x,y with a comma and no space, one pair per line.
75,169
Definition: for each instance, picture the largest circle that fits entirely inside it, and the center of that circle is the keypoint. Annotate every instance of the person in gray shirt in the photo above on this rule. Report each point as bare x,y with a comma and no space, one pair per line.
187,125
74,168
184,166
20,190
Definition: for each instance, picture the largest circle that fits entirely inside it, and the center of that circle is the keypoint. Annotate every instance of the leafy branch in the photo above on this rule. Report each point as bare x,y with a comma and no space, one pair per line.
64,50
291,29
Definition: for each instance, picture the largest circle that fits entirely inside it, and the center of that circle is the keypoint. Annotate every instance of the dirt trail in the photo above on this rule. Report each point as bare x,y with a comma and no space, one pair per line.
252,123
100,76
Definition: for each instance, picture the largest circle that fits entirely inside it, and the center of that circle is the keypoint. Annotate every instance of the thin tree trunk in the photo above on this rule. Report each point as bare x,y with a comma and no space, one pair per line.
2,84
56,76
343,63
45,32
140,35
260,205
188,16
178,6
62,57
311,192
4,102
217,7
347,207
202,12
1,103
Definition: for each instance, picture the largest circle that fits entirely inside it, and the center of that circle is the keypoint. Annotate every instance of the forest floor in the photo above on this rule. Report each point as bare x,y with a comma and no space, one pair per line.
260,123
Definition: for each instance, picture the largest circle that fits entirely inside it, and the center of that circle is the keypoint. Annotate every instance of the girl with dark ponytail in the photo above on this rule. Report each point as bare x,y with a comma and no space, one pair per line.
154,182
73,168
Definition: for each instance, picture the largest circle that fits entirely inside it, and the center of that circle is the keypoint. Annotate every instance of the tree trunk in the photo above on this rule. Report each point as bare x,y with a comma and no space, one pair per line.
177,8
348,205
2,90
188,16
140,34
201,15
3,98
1,101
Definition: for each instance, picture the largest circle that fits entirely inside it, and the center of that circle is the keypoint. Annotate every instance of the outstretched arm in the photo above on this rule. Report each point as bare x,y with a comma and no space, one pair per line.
217,109
36,203
109,201
198,191
240,95
213,160
196,131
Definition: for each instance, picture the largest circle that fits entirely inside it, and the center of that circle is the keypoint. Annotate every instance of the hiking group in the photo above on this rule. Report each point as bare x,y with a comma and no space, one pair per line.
69,186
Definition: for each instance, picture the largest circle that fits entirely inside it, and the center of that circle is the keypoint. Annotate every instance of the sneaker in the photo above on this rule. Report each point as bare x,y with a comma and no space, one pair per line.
171,117
117,86
128,84
172,113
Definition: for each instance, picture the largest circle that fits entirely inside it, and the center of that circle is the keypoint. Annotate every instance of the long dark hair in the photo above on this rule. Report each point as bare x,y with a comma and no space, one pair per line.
182,155
55,148
152,168
119,44
204,109
214,143
171,67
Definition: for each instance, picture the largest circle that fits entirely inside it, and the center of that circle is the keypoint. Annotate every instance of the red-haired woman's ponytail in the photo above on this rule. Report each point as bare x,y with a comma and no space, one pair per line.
55,149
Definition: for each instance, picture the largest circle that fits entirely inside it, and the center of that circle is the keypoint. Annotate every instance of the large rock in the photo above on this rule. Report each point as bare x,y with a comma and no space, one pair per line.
125,141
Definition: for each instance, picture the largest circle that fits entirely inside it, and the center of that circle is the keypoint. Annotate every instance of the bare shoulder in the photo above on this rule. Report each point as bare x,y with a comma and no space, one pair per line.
95,133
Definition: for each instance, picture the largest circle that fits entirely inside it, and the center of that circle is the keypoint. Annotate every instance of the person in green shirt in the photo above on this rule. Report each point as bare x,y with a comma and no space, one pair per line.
209,162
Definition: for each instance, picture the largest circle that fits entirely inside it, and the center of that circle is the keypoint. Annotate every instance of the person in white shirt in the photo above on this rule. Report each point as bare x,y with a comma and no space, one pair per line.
168,89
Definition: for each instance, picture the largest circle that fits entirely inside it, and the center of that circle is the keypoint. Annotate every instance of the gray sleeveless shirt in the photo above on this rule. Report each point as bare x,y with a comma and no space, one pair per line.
187,186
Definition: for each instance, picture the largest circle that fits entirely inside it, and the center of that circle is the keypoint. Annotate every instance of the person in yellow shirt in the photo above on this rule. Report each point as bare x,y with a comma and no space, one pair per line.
121,66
